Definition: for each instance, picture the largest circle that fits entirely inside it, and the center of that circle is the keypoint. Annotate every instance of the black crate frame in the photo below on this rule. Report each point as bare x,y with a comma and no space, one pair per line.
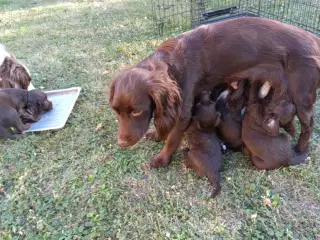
175,16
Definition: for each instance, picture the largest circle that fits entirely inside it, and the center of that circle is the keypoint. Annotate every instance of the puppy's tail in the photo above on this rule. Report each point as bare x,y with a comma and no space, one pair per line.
215,180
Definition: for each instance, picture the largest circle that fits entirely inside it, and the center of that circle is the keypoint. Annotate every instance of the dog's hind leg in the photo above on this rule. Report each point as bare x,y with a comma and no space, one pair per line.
17,123
303,94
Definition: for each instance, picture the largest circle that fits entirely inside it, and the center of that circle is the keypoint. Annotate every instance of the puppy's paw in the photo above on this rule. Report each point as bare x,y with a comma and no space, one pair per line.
152,135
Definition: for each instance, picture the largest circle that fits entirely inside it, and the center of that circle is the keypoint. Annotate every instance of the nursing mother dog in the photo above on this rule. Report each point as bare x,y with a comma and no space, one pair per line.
164,84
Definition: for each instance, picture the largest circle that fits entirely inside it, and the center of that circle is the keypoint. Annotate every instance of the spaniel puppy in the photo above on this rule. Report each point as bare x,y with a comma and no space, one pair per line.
164,84
204,154
262,117
229,129
16,104
13,74
29,104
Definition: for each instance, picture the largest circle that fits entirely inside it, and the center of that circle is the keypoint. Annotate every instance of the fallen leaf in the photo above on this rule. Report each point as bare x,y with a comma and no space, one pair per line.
267,202
99,126
10,166
253,216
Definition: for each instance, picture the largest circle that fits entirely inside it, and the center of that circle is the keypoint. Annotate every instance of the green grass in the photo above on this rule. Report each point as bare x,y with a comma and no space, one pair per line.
76,183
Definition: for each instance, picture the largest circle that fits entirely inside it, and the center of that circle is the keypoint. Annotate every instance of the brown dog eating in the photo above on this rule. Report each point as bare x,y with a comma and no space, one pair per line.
204,154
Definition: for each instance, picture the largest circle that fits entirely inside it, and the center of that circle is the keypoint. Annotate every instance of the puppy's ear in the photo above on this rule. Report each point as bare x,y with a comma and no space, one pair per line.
271,126
264,90
166,96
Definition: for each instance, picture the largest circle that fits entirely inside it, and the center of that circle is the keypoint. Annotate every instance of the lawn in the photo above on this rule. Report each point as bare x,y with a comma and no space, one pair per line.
76,183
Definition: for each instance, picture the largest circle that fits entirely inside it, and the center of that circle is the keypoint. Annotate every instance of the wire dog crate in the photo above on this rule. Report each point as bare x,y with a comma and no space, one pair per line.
174,16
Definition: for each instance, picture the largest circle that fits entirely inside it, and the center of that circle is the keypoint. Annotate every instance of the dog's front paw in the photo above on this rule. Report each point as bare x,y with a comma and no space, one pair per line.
159,161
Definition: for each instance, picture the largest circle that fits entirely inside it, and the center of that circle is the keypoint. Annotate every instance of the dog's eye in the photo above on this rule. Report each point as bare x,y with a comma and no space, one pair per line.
136,113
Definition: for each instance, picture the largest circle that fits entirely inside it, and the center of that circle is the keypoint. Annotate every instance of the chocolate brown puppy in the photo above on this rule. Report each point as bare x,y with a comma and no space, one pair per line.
229,129
281,115
268,152
204,154
10,117
29,104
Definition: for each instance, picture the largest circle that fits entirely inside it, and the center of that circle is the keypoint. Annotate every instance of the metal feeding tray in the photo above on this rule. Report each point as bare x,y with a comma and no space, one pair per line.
62,101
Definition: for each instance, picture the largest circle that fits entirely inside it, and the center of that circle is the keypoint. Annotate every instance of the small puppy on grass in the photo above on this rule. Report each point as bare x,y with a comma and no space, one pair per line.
269,148
203,154
18,104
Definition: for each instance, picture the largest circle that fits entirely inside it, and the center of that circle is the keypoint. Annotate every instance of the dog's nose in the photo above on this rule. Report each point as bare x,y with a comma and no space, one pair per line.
123,143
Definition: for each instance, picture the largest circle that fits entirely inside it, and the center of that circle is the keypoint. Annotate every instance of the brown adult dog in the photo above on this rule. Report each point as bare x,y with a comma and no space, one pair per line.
204,154
262,116
166,82
28,104
13,74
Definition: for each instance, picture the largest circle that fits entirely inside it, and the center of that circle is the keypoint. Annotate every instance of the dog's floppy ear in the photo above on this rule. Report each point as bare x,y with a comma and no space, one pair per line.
167,99
271,126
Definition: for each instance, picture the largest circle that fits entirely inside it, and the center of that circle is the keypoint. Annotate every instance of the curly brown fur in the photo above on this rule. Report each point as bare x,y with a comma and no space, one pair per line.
135,109
14,74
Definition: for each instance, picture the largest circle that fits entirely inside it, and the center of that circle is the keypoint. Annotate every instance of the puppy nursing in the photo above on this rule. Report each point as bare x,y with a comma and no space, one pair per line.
229,129
204,154
272,150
